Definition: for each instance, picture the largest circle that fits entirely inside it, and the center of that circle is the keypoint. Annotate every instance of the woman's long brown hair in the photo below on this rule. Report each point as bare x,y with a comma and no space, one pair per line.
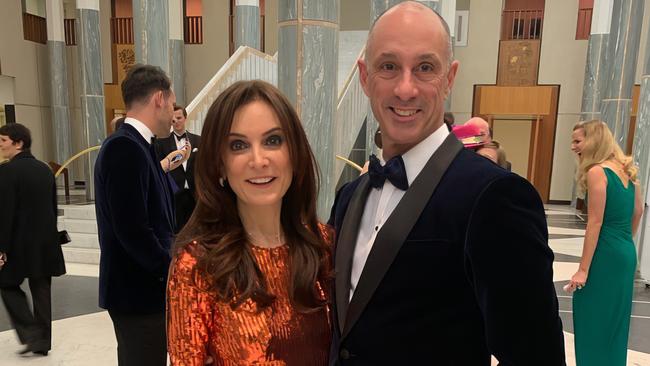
215,224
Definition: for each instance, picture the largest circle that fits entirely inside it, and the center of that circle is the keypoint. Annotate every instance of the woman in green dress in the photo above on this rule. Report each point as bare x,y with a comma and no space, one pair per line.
603,284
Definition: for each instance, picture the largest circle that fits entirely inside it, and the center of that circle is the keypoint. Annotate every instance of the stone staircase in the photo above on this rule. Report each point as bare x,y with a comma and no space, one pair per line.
81,224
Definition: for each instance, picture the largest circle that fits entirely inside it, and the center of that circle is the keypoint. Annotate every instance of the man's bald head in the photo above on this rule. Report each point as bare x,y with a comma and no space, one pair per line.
412,6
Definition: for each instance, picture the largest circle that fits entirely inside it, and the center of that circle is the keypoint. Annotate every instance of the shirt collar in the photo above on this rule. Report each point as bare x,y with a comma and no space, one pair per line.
416,158
141,128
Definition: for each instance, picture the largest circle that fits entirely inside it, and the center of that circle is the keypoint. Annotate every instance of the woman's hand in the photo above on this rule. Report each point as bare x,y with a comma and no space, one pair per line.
578,281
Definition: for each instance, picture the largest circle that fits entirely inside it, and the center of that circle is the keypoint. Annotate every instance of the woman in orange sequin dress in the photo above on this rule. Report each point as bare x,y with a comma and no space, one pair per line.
248,278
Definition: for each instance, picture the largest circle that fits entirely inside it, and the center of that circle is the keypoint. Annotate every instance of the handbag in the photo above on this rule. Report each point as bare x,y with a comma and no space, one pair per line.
64,238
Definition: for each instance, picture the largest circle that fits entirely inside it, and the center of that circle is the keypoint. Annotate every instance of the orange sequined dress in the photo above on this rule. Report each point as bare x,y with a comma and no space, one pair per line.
198,325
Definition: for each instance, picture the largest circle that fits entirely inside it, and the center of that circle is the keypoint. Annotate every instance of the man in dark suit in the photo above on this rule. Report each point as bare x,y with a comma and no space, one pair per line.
183,176
135,218
29,246
441,257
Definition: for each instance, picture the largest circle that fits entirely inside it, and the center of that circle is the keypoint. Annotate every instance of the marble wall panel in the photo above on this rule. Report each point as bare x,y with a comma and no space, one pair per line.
247,26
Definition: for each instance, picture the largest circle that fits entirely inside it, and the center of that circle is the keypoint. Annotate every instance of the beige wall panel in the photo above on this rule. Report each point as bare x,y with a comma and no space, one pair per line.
478,61
105,39
563,159
204,60
6,90
514,137
562,62
355,15
271,26
31,117
563,58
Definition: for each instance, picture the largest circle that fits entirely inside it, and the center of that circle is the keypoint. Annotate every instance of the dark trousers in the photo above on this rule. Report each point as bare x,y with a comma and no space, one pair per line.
141,339
34,329
184,202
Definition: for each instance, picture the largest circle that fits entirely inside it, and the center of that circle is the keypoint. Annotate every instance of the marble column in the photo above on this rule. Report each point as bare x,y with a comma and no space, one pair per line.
448,13
91,83
378,7
151,32
596,67
247,24
58,81
641,153
177,50
307,75
433,4
623,49
597,61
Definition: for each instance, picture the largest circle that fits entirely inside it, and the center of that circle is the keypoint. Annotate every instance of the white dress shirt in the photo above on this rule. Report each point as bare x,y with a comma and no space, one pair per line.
180,143
382,201
141,127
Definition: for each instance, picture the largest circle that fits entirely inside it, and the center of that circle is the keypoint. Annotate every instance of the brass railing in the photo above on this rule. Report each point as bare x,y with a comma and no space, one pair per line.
75,157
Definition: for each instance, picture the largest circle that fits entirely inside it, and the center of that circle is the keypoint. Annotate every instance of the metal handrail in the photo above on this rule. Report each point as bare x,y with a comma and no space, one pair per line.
73,158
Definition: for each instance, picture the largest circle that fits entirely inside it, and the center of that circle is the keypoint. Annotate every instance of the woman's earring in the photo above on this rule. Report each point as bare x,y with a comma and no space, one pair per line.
222,182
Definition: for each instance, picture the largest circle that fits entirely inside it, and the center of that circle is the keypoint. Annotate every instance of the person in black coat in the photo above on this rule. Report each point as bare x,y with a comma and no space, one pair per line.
29,245
135,219
441,257
180,139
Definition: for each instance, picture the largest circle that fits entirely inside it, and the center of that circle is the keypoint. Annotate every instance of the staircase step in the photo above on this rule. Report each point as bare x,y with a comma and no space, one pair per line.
78,226
80,255
83,240
86,212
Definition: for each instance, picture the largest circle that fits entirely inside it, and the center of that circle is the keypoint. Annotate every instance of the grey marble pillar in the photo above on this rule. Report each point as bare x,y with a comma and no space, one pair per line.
247,24
448,13
641,153
307,75
151,32
92,84
177,50
378,7
433,4
58,81
597,60
623,49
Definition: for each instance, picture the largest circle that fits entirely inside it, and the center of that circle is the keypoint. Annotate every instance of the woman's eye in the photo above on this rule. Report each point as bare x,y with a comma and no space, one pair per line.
237,145
274,140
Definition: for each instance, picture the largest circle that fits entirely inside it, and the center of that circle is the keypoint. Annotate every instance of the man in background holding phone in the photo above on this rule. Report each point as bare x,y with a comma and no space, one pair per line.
181,139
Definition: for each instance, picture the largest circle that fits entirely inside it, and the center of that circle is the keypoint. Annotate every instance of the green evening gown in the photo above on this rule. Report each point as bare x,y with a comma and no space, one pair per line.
601,310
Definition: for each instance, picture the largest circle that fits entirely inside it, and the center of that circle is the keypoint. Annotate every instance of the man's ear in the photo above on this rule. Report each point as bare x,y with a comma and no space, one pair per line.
18,144
159,98
363,74
451,76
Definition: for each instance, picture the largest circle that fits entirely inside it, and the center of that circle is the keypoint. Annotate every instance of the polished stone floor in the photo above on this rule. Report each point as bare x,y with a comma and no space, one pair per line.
83,333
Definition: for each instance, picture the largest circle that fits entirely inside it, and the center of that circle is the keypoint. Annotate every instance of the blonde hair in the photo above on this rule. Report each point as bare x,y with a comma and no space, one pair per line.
600,146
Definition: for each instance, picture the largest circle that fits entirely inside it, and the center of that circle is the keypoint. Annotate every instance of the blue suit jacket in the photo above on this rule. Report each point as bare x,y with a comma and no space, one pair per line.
135,221
460,270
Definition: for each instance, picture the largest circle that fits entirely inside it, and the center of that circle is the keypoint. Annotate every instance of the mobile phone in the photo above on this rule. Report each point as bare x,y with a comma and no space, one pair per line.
177,157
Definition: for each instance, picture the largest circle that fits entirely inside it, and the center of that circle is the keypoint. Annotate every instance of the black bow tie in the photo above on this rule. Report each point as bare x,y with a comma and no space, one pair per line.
394,171
183,136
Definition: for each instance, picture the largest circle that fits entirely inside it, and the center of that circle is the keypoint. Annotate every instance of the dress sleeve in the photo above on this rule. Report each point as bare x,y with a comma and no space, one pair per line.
189,311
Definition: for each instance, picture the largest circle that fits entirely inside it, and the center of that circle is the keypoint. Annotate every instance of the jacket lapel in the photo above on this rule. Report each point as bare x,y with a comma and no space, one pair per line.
345,246
396,229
